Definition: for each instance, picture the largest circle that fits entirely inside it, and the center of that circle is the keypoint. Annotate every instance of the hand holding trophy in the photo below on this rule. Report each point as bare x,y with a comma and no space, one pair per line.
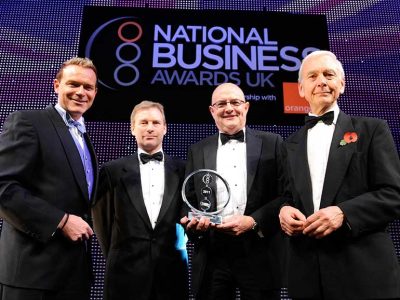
206,193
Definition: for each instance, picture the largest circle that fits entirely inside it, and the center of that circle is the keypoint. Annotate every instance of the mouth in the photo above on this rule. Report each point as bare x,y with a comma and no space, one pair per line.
229,116
323,93
81,101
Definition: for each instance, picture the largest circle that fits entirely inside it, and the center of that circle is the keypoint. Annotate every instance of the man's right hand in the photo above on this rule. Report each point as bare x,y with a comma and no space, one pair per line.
292,220
76,229
197,225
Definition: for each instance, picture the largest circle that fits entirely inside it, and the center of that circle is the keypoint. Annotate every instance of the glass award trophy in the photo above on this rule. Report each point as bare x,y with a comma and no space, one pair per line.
206,193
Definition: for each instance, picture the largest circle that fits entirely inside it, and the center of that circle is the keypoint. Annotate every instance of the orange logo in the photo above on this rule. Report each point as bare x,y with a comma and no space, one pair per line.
292,102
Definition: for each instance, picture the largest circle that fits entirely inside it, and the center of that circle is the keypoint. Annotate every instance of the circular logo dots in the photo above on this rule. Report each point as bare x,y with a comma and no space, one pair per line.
127,63
115,43
130,40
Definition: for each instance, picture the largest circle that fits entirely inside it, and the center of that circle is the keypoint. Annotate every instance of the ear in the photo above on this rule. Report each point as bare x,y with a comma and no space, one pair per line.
247,105
301,90
56,85
213,112
342,88
165,129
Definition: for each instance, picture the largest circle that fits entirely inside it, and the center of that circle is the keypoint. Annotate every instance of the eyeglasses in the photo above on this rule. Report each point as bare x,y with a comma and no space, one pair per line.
224,103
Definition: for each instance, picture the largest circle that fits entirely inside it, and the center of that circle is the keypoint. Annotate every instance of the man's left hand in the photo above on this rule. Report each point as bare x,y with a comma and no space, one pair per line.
323,222
236,225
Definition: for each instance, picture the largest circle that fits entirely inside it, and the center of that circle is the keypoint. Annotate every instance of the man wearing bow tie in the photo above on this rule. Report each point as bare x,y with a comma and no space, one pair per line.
343,179
48,175
244,250
136,216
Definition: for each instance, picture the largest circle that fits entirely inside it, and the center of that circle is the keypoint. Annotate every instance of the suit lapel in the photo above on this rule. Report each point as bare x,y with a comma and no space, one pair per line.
210,162
338,161
253,150
297,159
71,152
253,153
170,186
210,153
133,186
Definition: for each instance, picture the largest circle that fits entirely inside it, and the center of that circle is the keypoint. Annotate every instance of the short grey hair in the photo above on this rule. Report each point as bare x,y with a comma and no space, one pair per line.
339,65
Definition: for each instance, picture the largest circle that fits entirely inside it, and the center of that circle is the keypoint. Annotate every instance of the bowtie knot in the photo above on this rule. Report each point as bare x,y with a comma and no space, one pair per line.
327,118
77,125
145,158
239,136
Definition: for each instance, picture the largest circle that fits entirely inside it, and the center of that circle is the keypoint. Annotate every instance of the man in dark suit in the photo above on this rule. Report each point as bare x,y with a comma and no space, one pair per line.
47,178
244,251
136,216
344,179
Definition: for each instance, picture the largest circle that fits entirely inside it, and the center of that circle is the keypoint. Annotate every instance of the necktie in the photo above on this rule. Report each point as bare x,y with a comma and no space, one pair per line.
145,158
239,136
327,118
83,152
77,125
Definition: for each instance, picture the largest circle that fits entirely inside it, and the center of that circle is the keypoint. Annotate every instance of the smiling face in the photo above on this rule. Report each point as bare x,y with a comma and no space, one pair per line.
148,126
229,118
76,89
321,81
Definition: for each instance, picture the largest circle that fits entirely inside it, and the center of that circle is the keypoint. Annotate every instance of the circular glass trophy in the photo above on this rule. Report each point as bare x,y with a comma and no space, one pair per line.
206,193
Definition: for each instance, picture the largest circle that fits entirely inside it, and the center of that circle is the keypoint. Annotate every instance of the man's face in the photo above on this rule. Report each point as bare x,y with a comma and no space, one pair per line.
321,83
230,117
76,90
149,129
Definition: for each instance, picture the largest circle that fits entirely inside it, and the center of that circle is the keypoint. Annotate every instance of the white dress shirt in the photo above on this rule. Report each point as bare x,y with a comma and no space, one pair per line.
231,165
153,179
72,129
319,141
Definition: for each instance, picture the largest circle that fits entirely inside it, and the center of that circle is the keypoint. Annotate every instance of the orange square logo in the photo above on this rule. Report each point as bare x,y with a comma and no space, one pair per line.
292,102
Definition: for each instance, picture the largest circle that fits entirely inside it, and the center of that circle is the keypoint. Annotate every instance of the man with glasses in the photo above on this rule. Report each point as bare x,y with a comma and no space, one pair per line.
243,251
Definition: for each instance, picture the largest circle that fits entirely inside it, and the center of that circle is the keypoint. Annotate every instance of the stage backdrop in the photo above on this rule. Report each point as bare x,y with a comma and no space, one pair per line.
37,36
179,56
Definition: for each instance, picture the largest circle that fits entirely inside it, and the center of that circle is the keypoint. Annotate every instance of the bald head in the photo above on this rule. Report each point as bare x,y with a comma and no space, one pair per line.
229,108
224,88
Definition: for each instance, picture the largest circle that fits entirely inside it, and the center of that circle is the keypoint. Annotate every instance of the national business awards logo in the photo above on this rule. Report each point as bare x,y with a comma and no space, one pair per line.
119,41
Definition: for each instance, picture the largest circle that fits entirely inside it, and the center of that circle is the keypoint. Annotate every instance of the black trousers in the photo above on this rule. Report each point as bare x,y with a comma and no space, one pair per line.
15,293
227,271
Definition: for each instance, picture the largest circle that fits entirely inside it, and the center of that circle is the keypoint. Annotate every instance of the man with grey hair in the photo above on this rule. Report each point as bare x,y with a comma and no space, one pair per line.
343,179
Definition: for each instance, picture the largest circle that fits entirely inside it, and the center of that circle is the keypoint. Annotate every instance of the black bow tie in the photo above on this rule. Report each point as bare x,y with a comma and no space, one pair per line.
327,118
239,136
145,158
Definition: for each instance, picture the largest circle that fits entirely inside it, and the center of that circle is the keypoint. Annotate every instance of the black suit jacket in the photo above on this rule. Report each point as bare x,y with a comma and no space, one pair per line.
358,261
41,179
139,257
263,255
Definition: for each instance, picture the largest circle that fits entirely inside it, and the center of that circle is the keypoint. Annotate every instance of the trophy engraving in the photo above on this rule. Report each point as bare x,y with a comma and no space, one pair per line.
206,193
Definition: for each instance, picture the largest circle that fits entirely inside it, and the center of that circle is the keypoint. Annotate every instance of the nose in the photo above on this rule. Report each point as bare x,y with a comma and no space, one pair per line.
228,106
321,80
150,127
80,90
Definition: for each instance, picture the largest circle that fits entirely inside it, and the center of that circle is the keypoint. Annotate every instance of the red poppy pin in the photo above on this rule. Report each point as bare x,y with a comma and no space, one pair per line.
349,137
